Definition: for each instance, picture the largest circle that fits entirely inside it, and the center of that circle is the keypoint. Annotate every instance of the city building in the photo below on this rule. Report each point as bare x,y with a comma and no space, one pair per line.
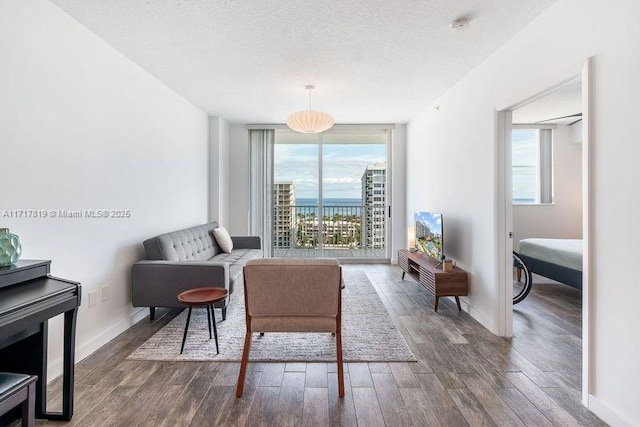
284,200
422,229
373,206
335,233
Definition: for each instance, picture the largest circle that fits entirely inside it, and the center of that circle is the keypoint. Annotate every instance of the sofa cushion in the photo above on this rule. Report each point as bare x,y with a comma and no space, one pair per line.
191,244
235,277
237,259
224,239
238,256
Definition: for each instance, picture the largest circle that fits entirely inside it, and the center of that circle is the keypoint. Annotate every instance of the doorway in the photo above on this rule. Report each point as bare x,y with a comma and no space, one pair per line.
531,188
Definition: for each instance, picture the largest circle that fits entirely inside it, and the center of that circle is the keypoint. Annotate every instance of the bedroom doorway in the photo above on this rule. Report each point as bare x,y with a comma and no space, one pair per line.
544,190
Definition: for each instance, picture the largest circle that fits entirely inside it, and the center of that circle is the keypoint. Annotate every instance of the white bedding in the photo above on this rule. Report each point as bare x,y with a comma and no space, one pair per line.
564,252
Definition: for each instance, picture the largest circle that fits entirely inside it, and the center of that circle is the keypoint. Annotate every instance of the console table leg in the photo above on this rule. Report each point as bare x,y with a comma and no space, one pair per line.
69,363
435,307
458,302
403,272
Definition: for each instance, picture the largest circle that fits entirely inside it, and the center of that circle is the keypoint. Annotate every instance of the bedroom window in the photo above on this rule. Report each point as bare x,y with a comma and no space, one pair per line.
532,166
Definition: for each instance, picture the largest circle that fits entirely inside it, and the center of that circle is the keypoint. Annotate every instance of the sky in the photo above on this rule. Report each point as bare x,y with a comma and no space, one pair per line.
343,164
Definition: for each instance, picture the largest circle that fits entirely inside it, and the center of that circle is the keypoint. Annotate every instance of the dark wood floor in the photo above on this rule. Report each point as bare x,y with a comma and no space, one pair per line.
465,375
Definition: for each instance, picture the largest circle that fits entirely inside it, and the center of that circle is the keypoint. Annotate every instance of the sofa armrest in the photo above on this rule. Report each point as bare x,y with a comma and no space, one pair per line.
158,283
246,242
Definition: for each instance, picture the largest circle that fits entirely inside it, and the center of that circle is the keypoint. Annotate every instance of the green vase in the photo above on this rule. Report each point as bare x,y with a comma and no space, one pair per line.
10,248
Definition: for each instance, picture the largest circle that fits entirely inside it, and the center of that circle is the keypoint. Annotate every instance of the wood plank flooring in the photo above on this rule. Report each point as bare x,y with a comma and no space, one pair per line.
465,375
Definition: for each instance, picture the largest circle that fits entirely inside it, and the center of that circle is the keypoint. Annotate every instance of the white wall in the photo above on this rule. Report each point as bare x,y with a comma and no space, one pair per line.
238,179
398,190
82,127
455,147
563,218
450,169
219,171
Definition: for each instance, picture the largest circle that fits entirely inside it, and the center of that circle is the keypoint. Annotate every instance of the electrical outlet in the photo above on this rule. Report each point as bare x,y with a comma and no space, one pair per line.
105,292
93,299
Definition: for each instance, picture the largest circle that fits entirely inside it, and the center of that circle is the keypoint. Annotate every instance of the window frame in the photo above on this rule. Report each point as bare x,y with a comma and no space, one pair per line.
544,175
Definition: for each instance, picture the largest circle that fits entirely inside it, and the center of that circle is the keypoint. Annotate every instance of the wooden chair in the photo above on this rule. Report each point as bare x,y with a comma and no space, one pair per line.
292,295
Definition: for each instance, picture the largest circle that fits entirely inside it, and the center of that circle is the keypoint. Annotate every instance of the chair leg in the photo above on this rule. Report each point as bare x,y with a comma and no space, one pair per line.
209,309
215,329
243,363
186,328
339,362
224,313
28,407
152,313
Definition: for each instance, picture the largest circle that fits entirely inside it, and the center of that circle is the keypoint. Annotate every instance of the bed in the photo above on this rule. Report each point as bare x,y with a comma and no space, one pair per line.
557,259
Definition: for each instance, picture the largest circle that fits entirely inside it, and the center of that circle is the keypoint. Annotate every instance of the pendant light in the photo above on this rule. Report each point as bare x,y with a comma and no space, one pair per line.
309,121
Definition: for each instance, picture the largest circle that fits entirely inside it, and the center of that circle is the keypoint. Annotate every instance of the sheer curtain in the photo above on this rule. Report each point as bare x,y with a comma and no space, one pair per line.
260,209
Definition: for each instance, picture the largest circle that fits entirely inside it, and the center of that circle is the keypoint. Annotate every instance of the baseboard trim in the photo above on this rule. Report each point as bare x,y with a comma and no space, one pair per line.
477,314
607,413
88,348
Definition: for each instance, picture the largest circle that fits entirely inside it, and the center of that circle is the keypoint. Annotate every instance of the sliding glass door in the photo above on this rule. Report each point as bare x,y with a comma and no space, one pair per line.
330,194
295,195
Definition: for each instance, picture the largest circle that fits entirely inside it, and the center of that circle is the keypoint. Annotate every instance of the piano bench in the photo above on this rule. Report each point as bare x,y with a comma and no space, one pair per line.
18,389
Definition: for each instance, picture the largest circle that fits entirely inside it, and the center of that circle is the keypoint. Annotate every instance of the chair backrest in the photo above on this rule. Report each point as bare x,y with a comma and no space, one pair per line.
292,287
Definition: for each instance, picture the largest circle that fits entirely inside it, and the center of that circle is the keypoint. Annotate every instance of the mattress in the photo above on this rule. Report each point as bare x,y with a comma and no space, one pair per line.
563,252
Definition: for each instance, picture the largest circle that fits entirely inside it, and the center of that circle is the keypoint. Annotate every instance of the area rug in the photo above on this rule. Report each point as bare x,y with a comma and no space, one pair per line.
369,334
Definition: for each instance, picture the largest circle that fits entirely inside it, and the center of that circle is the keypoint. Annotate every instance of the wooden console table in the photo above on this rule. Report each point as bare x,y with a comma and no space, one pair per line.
441,284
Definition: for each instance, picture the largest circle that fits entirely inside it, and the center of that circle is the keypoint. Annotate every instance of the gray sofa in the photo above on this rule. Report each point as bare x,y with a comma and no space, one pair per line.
187,259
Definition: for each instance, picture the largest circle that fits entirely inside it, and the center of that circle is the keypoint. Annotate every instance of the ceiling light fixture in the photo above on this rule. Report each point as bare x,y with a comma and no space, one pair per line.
459,24
309,121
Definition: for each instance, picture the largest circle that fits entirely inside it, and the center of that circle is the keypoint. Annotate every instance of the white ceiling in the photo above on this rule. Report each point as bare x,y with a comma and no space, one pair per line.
372,61
564,101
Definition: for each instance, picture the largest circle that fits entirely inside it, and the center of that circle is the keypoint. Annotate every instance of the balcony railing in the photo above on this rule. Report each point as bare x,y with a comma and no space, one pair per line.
296,229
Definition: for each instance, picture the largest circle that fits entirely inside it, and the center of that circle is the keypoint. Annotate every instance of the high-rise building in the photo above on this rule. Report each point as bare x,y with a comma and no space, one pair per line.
422,229
373,206
284,222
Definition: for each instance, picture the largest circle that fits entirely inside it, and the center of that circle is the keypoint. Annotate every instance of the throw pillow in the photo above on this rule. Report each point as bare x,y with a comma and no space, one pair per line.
223,239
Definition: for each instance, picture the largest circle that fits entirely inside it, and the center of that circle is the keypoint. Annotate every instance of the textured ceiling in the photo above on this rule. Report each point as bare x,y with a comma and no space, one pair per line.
373,61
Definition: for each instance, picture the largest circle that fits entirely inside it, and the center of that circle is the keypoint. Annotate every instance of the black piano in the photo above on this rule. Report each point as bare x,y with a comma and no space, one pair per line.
29,297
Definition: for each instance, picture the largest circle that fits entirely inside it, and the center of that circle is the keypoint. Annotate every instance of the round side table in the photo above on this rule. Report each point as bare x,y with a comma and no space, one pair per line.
202,297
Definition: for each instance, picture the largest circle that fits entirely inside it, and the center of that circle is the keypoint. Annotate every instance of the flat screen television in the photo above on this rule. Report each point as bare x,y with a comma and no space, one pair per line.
429,236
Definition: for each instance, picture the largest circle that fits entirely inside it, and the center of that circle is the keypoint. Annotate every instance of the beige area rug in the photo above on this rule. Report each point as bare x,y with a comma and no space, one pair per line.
369,334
